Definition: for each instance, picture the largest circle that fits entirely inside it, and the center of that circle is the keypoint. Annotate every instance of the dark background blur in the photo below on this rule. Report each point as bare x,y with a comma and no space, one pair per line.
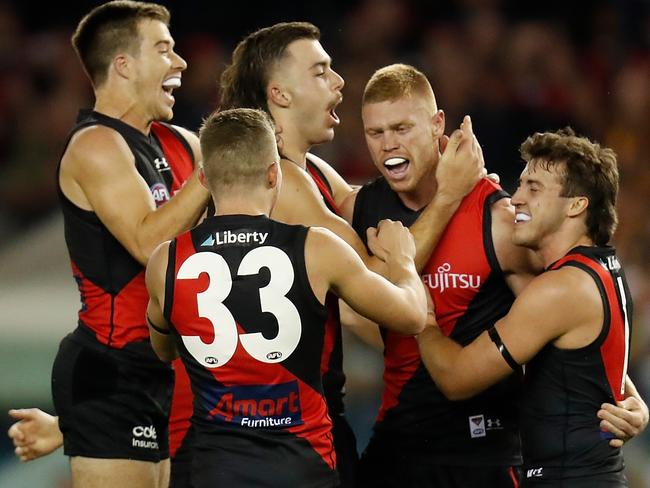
515,67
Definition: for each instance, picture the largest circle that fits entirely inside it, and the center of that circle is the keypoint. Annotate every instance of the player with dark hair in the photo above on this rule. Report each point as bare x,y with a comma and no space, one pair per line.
570,326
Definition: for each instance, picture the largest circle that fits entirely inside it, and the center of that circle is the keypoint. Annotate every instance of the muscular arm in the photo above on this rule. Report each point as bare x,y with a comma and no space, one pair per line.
161,339
559,306
98,173
332,264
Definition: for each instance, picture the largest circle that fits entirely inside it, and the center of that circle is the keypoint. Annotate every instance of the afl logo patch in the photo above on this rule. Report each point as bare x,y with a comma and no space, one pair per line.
159,193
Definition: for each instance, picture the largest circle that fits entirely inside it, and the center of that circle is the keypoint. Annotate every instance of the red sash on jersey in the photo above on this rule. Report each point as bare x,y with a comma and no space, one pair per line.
176,153
614,346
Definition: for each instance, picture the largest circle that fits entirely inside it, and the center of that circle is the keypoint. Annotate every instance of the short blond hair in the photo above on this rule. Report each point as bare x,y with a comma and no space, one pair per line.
236,145
397,81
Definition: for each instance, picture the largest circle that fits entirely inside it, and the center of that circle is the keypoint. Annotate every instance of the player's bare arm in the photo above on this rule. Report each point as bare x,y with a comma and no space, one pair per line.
300,202
332,264
560,306
98,174
161,340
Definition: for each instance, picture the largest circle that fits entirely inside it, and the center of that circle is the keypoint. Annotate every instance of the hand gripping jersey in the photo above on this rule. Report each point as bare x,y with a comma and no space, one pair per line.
564,388
111,282
251,335
470,295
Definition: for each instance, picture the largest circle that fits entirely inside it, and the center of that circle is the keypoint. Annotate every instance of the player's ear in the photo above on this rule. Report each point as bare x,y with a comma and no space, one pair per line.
577,206
438,130
277,94
122,65
274,175
438,123
201,175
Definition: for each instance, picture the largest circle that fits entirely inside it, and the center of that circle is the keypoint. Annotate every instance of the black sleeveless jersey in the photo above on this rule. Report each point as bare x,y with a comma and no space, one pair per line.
332,361
564,388
251,334
470,294
111,282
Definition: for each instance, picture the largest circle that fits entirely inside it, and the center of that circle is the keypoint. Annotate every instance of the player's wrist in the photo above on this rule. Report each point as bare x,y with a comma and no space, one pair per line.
447,199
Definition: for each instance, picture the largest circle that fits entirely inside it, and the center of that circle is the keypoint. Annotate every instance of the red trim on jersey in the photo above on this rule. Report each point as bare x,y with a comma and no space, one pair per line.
400,364
181,162
513,477
332,327
181,410
322,187
612,348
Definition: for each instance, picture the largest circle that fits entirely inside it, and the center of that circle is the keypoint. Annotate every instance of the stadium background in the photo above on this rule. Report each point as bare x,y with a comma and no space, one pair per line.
516,67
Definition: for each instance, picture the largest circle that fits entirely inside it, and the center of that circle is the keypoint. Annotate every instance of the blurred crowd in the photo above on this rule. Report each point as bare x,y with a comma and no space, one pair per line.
516,68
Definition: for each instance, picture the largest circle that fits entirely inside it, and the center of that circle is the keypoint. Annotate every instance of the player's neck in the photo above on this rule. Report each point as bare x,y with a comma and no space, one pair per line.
243,204
119,106
422,195
292,146
558,244
297,157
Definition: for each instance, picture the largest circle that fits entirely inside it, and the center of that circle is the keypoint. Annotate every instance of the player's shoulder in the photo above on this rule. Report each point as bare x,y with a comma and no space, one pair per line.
97,144
96,136
323,239
188,135
485,192
485,188
567,286
319,162
321,234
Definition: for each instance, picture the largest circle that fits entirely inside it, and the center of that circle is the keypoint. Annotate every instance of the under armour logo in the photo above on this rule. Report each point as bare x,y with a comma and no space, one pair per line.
493,423
161,164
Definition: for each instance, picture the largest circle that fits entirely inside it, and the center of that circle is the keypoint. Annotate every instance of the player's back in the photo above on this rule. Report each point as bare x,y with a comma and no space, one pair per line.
250,332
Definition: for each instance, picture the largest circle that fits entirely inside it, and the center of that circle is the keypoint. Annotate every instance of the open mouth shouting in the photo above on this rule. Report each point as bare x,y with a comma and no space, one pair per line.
397,167
332,111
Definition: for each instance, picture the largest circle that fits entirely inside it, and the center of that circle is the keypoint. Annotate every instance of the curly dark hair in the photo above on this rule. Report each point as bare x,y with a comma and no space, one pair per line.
588,169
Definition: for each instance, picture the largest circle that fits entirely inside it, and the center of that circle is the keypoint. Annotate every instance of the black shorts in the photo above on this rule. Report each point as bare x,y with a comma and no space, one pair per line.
378,470
111,403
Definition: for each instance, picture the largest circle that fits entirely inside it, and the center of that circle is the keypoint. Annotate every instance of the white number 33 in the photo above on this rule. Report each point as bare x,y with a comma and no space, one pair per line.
272,299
